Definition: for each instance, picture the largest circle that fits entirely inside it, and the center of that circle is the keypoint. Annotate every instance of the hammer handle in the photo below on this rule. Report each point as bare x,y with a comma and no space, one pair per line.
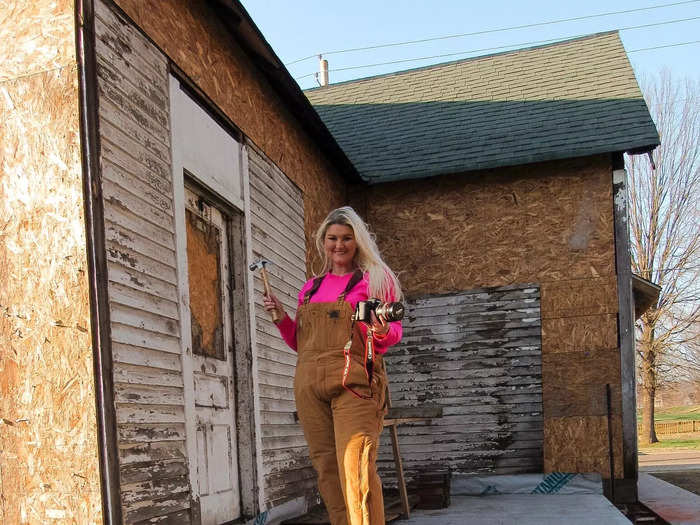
266,286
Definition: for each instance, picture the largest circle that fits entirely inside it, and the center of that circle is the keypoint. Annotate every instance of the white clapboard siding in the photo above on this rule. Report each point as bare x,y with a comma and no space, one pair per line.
277,225
141,263
477,354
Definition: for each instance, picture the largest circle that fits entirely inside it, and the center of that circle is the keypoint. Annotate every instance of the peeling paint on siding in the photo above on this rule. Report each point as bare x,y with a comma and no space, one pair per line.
478,355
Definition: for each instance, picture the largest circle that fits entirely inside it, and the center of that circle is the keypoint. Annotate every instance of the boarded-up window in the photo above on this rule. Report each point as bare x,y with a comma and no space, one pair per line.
204,272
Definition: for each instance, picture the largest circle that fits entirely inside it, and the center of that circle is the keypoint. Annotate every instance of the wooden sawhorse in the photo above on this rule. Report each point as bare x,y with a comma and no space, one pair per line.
395,417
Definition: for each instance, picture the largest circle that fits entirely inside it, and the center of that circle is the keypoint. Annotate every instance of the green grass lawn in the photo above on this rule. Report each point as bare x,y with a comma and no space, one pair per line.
675,442
687,413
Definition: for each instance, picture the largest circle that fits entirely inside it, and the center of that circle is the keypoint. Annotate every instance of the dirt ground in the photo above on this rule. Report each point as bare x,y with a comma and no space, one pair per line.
685,479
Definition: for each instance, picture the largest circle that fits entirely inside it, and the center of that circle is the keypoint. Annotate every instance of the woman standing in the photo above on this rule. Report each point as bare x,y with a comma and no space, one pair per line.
340,382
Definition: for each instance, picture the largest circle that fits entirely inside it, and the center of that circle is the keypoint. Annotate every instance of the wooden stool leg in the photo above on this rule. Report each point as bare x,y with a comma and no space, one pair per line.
398,463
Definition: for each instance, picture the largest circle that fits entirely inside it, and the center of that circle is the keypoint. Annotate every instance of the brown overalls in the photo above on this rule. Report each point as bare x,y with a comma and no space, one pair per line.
341,429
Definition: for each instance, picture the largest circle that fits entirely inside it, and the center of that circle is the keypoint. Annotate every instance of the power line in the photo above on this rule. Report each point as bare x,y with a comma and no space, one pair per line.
661,47
535,42
668,268
487,31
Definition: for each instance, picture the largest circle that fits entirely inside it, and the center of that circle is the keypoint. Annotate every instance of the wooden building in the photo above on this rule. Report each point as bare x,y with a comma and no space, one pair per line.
497,189
141,175
152,151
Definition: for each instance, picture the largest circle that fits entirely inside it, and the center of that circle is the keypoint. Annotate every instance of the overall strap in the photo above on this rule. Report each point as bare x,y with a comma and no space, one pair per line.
314,288
356,278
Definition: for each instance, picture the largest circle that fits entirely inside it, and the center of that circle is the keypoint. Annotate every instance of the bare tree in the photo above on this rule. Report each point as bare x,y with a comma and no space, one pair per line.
665,238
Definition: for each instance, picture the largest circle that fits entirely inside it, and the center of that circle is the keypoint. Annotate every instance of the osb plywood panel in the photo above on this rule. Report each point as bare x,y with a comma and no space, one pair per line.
144,314
212,59
574,383
477,355
578,334
535,223
579,297
277,222
36,36
48,428
204,275
580,444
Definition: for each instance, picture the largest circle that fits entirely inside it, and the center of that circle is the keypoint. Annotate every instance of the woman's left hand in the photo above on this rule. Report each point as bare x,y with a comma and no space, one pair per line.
379,325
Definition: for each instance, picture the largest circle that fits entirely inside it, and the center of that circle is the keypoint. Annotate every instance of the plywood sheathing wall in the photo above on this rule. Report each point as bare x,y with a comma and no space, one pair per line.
48,461
548,223
142,281
36,37
277,223
205,51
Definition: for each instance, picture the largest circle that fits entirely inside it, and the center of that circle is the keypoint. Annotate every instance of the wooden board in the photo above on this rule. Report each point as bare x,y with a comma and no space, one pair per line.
278,235
464,353
536,223
580,444
627,329
574,383
583,333
40,37
143,286
48,430
567,298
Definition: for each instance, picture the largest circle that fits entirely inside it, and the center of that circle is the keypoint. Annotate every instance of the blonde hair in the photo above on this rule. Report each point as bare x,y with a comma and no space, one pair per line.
383,283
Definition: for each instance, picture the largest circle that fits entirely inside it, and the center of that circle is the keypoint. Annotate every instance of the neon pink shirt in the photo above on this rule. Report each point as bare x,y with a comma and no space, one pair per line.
331,287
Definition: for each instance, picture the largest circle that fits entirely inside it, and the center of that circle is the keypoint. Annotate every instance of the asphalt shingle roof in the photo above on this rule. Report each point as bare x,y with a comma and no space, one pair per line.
563,100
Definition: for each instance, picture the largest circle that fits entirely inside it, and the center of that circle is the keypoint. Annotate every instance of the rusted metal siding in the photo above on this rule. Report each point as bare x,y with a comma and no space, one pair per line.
478,355
277,223
139,228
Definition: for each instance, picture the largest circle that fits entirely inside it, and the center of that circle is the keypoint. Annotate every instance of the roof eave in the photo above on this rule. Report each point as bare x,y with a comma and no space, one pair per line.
246,33
516,161
646,295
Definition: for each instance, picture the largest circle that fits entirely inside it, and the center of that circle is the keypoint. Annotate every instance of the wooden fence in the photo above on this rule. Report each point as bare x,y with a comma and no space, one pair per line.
675,427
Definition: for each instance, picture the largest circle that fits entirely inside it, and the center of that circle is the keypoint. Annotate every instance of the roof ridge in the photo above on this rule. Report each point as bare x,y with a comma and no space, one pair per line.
462,60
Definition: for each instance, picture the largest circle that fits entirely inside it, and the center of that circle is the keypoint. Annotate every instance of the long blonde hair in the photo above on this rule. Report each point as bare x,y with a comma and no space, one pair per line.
383,283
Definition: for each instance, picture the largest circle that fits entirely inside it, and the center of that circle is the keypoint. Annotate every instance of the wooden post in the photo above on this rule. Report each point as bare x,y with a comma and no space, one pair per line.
397,461
611,456
628,485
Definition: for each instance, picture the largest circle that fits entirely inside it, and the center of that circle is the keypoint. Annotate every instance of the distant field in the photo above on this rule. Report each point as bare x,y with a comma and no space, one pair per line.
687,413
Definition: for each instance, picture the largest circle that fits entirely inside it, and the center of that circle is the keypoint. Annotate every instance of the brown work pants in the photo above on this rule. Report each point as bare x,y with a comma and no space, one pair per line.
342,430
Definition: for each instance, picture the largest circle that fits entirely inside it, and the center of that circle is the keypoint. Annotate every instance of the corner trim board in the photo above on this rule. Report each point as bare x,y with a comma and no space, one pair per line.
97,262
625,324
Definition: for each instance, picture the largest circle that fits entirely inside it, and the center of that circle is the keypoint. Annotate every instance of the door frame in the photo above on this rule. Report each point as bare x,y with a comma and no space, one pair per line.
243,383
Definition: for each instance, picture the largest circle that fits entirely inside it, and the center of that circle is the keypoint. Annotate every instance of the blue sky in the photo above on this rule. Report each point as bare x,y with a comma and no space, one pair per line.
300,28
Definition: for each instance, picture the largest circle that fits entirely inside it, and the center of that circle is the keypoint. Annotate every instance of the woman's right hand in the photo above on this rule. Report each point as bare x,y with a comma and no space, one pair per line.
271,303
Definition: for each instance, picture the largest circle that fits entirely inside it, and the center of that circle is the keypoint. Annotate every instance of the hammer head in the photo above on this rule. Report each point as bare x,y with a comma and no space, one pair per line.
258,265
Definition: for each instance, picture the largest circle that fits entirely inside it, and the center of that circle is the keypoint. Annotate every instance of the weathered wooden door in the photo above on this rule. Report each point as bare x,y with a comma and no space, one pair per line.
209,210
208,271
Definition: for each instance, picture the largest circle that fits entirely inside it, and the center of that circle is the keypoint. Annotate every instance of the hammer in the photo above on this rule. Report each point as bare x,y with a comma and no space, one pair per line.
263,273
